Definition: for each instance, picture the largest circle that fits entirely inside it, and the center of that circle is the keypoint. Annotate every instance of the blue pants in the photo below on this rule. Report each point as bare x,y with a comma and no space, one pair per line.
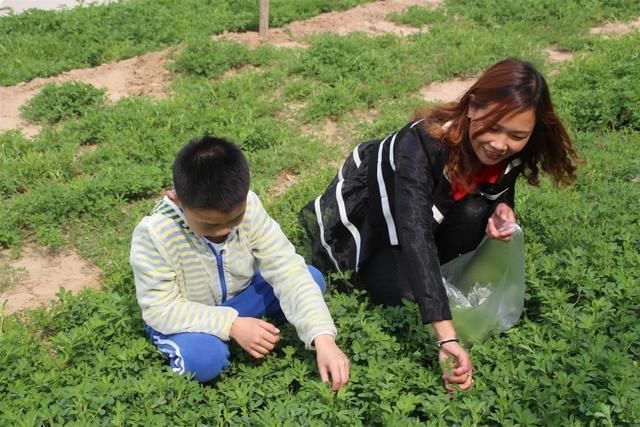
205,355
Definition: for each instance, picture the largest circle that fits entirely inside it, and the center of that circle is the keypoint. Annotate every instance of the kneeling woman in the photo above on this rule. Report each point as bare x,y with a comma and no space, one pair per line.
403,205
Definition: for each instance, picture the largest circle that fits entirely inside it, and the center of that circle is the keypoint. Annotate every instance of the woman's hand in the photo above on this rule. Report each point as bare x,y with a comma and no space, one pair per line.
501,222
331,361
255,336
454,360
460,373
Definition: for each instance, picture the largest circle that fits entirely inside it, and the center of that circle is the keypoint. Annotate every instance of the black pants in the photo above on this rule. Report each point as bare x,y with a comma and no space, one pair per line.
462,230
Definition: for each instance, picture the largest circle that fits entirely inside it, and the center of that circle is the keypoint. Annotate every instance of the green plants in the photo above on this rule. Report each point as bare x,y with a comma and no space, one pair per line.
601,91
210,58
43,43
84,359
55,103
417,16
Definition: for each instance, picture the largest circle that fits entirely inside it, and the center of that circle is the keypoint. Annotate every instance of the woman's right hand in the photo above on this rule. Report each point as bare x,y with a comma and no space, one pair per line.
501,222
255,336
460,374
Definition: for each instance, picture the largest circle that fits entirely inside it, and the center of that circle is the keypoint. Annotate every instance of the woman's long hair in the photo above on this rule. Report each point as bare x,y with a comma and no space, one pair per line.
508,86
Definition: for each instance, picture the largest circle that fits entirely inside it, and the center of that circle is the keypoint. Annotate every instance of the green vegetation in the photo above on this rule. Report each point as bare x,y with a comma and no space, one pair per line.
55,103
601,91
205,57
95,170
43,43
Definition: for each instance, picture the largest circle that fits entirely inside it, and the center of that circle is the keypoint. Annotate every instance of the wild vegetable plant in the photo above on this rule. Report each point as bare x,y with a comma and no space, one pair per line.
55,103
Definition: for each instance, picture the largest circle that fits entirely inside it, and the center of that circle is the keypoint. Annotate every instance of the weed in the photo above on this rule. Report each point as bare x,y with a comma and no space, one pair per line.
59,102
571,360
44,43
209,58
417,16
10,276
601,91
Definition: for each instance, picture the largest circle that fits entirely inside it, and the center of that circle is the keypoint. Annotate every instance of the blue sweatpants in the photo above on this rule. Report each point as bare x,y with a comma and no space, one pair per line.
205,355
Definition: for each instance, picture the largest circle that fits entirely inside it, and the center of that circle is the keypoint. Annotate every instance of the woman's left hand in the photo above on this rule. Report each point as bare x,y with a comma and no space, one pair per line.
501,222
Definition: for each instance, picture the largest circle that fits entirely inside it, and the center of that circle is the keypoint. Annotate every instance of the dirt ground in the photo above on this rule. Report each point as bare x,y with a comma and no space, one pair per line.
39,275
616,29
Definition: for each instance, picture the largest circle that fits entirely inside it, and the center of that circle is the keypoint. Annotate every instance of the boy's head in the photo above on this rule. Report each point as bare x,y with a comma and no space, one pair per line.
211,182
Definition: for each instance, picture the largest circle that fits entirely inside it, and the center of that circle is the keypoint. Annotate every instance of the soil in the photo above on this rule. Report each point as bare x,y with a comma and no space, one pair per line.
616,29
557,56
446,91
286,179
43,274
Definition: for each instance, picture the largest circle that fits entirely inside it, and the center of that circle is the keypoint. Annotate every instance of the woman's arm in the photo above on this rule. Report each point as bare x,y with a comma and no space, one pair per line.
414,202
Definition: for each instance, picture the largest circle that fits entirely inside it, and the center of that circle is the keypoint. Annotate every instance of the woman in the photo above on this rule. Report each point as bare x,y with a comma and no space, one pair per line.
402,206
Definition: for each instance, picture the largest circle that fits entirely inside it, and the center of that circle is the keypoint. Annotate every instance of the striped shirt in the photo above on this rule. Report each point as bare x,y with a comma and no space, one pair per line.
181,282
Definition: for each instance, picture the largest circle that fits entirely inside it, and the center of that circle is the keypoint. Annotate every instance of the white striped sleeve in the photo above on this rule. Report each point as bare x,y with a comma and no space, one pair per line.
300,297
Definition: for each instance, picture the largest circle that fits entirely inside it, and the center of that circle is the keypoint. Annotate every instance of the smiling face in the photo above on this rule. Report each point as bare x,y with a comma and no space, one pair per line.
213,224
506,137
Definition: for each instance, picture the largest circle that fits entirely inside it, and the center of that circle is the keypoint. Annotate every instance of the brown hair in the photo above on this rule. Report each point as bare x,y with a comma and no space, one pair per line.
511,86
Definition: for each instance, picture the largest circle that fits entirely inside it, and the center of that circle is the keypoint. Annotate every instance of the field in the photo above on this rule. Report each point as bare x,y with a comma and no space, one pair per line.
94,164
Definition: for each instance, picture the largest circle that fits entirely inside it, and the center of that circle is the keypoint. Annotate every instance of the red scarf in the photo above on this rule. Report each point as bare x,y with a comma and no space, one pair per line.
488,174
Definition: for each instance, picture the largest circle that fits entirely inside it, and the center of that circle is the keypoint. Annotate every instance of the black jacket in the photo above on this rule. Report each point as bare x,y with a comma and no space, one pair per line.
393,192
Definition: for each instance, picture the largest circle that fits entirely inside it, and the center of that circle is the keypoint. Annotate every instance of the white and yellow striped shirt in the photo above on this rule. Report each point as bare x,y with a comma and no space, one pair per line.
178,283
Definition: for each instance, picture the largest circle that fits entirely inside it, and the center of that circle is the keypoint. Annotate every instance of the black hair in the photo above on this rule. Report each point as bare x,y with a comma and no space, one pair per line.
211,173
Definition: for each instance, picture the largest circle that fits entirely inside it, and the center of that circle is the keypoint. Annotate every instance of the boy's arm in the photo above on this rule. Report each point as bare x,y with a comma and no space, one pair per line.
300,297
164,308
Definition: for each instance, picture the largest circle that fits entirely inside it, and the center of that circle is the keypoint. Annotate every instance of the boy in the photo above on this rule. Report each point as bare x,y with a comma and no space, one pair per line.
209,262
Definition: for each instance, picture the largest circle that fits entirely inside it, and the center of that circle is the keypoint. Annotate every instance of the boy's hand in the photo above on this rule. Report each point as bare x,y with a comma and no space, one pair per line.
331,361
255,336
501,222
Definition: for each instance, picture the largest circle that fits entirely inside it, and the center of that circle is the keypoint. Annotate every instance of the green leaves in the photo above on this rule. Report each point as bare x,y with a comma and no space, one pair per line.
601,91
210,58
55,103
87,179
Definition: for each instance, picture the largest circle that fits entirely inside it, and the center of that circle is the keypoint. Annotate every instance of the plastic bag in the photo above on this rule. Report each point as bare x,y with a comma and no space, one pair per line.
486,287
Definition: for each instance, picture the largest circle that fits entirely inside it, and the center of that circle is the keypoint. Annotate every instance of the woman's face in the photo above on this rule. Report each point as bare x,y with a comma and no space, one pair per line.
502,140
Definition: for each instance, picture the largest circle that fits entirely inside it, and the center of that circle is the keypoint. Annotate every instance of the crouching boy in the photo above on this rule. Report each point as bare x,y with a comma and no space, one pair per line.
209,262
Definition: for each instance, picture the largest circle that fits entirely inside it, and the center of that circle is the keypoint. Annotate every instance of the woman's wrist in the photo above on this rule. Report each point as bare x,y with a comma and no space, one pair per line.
443,329
444,341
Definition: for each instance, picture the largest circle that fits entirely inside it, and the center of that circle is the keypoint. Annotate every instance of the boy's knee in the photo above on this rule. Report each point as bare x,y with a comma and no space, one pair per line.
318,278
206,364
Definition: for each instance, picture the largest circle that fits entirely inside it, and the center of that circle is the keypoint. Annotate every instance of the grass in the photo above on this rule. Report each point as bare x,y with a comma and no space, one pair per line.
55,103
571,360
10,276
44,43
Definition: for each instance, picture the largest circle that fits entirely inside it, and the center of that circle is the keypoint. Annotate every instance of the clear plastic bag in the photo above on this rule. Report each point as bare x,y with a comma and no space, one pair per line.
486,287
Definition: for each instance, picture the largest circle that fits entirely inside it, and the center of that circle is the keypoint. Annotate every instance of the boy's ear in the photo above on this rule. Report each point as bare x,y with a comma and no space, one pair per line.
171,194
